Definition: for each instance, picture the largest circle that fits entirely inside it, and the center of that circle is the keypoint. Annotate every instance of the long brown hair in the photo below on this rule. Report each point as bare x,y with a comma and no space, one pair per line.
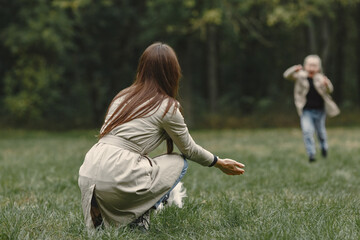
157,79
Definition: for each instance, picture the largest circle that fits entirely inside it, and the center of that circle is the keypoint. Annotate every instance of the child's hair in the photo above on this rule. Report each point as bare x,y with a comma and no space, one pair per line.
315,57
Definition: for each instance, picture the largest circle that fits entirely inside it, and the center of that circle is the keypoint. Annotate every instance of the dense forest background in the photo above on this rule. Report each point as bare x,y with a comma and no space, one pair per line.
61,62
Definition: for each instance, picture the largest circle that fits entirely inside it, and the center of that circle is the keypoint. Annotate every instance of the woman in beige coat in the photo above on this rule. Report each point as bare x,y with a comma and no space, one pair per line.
313,102
119,182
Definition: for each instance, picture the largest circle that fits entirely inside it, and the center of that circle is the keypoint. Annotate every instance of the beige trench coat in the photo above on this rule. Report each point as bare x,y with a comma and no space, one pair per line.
124,179
302,88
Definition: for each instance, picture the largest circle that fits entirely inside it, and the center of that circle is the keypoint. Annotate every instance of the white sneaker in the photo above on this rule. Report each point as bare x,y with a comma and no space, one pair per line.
176,197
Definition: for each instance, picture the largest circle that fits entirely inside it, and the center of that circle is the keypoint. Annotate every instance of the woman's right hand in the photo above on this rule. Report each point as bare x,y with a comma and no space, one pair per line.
230,167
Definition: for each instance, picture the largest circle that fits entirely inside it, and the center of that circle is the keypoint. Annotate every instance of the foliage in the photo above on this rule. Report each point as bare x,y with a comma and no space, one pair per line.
62,61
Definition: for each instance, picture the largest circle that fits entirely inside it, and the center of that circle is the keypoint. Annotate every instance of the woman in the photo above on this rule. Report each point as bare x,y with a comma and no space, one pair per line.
119,182
313,101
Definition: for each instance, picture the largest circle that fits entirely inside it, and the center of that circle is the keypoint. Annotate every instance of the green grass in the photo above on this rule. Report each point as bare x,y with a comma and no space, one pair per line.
281,195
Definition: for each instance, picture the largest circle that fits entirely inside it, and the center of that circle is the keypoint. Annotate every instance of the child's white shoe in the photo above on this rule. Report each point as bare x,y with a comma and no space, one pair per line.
176,197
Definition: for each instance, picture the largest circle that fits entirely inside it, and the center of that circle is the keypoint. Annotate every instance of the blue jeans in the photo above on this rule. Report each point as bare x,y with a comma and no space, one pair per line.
313,120
166,196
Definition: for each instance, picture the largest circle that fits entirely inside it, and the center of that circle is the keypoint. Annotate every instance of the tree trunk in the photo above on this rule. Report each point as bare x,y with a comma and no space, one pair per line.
325,39
358,50
339,54
312,35
186,63
212,64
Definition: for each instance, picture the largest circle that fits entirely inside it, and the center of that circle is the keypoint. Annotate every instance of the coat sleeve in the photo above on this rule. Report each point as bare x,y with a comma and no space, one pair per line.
330,87
290,73
174,125
324,83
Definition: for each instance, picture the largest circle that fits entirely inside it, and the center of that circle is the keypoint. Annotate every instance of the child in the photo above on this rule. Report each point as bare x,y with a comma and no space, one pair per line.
313,101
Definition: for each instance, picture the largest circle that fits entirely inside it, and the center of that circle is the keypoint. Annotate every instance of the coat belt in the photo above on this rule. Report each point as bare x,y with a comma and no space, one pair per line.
121,143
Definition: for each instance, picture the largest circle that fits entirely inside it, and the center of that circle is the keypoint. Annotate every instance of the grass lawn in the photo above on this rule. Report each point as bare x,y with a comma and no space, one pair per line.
281,195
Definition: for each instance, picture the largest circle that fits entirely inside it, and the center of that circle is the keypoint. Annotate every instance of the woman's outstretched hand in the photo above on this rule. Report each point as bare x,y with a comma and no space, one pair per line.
230,167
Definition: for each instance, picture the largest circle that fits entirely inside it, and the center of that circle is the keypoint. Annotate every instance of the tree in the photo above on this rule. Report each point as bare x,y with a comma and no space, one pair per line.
37,38
62,61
